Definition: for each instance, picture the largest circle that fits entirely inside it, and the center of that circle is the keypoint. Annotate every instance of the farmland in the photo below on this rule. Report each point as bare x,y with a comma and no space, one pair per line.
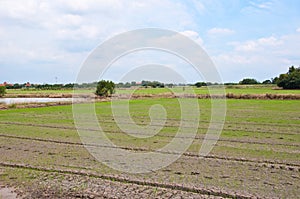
235,89
257,154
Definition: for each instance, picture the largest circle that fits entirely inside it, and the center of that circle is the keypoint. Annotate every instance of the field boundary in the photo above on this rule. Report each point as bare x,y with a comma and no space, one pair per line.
267,96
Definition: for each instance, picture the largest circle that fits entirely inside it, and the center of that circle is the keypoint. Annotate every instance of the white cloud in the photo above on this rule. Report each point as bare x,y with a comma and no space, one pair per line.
262,54
193,35
262,5
62,32
82,32
269,41
19,8
257,45
220,31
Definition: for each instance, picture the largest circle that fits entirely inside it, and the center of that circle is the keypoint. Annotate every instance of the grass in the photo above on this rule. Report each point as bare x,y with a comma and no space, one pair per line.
246,120
258,130
237,89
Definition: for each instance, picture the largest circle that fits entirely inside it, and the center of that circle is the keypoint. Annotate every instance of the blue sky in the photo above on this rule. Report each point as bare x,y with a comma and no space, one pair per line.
41,40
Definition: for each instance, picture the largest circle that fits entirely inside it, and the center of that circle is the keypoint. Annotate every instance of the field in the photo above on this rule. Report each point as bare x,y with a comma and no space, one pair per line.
235,89
257,154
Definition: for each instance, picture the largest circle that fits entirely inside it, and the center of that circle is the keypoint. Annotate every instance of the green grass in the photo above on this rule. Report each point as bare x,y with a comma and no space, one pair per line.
246,120
257,130
237,89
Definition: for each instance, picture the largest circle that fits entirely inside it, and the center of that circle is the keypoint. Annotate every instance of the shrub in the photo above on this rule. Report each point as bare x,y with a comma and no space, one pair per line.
267,82
249,81
199,84
105,88
2,91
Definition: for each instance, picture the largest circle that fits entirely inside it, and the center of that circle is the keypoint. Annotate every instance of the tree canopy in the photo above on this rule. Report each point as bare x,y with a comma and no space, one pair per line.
249,81
105,88
289,80
199,84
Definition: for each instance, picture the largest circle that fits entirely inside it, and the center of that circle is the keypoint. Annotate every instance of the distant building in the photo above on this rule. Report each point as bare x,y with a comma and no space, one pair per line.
27,84
6,84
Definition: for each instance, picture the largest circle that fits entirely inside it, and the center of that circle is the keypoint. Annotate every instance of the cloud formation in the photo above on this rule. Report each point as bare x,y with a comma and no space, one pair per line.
41,40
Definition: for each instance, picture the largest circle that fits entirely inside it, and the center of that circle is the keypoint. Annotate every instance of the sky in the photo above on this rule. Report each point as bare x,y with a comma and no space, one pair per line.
48,41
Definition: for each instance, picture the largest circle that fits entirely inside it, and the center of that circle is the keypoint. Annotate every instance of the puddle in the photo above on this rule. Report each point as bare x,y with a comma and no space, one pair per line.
32,100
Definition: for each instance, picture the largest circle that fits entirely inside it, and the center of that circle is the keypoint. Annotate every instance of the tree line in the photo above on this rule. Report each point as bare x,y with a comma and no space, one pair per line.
289,80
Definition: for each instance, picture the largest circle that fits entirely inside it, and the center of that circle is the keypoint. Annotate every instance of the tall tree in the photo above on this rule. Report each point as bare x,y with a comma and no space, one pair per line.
105,88
290,80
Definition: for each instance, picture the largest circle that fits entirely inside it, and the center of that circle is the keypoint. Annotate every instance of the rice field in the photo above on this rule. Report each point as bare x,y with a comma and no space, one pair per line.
257,154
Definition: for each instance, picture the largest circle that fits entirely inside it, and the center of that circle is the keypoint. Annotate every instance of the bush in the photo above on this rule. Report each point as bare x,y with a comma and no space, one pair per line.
153,84
199,84
105,88
2,91
267,82
290,80
248,81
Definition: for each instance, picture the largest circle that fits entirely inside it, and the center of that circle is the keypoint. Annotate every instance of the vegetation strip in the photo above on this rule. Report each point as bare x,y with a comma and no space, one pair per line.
207,121
215,96
180,187
202,121
229,129
168,136
267,96
263,163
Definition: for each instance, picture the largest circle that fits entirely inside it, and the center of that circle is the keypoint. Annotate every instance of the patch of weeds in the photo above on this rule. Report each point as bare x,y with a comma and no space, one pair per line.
12,106
155,191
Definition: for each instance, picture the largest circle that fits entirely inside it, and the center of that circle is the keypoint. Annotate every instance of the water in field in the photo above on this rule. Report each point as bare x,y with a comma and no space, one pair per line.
33,100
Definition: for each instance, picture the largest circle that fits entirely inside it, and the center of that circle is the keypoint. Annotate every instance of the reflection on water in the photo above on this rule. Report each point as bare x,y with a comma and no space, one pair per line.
33,100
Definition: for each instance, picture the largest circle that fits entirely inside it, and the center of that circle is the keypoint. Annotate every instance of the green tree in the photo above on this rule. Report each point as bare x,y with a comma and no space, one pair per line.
290,80
274,80
249,81
2,91
199,84
267,82
105,88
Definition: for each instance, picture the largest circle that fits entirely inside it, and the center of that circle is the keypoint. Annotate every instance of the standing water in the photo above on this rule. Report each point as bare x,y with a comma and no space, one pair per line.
33,100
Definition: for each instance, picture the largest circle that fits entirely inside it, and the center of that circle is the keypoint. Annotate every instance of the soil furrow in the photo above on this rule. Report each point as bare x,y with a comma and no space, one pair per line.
201,137
185,127
261,163
105,117
203,191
